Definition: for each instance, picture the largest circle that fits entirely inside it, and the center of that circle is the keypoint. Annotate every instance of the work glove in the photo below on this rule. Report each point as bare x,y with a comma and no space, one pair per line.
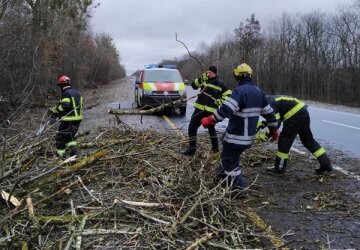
274,134
204,77
208,121
263,137
52,113
199,81
219,102
260,125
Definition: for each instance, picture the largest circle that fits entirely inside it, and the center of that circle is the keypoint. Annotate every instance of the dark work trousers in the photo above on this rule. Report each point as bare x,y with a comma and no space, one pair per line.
66,133
229,167
299,124
194,125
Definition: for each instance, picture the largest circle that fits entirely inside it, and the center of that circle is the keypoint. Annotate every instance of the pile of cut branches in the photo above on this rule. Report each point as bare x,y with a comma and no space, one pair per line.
126,189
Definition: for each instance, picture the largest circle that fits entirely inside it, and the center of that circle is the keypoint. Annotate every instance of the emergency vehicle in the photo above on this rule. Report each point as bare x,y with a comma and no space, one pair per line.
158,84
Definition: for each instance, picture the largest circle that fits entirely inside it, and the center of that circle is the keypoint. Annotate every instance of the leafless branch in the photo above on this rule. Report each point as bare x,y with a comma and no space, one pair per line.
202,65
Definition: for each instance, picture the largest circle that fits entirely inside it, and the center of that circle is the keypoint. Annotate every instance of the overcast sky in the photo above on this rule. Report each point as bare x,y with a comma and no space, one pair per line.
144,31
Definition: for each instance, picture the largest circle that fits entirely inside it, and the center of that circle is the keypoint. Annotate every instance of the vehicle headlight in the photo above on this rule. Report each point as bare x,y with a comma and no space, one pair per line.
147,92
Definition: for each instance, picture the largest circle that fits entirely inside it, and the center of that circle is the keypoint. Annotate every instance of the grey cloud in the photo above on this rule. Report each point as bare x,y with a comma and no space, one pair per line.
144,31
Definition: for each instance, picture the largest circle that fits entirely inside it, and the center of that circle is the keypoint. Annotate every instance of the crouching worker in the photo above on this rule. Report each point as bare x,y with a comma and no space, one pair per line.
295,117
70,112
243,108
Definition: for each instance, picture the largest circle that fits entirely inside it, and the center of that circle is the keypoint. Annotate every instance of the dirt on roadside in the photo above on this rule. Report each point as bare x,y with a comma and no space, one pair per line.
310,211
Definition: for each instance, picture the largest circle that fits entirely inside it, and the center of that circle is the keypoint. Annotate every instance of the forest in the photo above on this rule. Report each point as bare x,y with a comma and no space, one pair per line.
42,39
313,56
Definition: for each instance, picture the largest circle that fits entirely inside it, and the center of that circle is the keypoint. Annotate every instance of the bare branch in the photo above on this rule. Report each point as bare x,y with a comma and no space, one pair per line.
202,65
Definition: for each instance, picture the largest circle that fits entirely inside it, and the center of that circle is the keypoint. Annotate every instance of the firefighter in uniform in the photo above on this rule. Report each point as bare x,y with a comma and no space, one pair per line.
243,108
295,117
70,112
213,93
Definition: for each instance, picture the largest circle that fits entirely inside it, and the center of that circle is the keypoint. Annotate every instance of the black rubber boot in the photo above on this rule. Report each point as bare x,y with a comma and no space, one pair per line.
322,169
189,152
72,151
325,165
235,182
275,170
214,144
215,150
238,182
192,147
238,187
279,167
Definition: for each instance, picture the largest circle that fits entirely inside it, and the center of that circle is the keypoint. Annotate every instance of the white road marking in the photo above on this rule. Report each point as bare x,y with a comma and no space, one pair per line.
298,151
340,124
334,166
346,172
338,112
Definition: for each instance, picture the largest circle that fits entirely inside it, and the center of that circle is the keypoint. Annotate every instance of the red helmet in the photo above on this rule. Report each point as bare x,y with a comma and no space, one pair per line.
63,80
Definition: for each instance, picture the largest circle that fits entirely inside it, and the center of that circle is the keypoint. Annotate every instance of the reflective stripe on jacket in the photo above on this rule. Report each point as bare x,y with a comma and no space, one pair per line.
243,108
70,107
285,107
214,93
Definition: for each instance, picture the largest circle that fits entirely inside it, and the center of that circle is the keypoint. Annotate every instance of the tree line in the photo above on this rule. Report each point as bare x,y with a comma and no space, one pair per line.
42,39
313,56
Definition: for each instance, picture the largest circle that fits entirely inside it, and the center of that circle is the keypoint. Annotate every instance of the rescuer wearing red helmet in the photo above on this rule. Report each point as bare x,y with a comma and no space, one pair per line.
70,112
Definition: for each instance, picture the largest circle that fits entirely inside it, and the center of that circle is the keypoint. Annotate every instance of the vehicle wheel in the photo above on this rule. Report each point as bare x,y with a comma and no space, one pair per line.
182,111
137,98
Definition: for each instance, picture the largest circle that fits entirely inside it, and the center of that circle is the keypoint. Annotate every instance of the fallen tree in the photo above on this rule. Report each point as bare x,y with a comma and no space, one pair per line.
149,111
126,185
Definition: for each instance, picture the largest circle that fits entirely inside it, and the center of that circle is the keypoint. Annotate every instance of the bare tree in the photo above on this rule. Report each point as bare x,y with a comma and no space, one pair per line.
41,39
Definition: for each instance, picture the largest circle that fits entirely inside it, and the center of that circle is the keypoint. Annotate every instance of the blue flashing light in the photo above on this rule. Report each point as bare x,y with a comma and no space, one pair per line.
153,65
169,66
150,66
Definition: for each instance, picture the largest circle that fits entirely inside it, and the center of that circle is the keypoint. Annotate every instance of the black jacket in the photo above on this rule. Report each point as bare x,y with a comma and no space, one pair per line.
70,106
285,107
214,93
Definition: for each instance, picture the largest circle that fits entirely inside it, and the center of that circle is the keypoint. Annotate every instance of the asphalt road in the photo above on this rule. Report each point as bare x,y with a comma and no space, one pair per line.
331,125
336,128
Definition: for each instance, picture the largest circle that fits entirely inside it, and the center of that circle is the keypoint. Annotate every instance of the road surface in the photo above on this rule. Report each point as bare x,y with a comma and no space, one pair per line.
314,212
333,127
337,128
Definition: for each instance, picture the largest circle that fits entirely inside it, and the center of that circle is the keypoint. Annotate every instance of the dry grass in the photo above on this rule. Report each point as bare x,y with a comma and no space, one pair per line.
127,189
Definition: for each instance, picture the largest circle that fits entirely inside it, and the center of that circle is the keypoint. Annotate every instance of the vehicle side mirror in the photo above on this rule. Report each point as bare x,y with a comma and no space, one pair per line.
186,81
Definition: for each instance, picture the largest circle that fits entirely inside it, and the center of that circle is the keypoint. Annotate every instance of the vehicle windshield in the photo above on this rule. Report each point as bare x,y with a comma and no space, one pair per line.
162,76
